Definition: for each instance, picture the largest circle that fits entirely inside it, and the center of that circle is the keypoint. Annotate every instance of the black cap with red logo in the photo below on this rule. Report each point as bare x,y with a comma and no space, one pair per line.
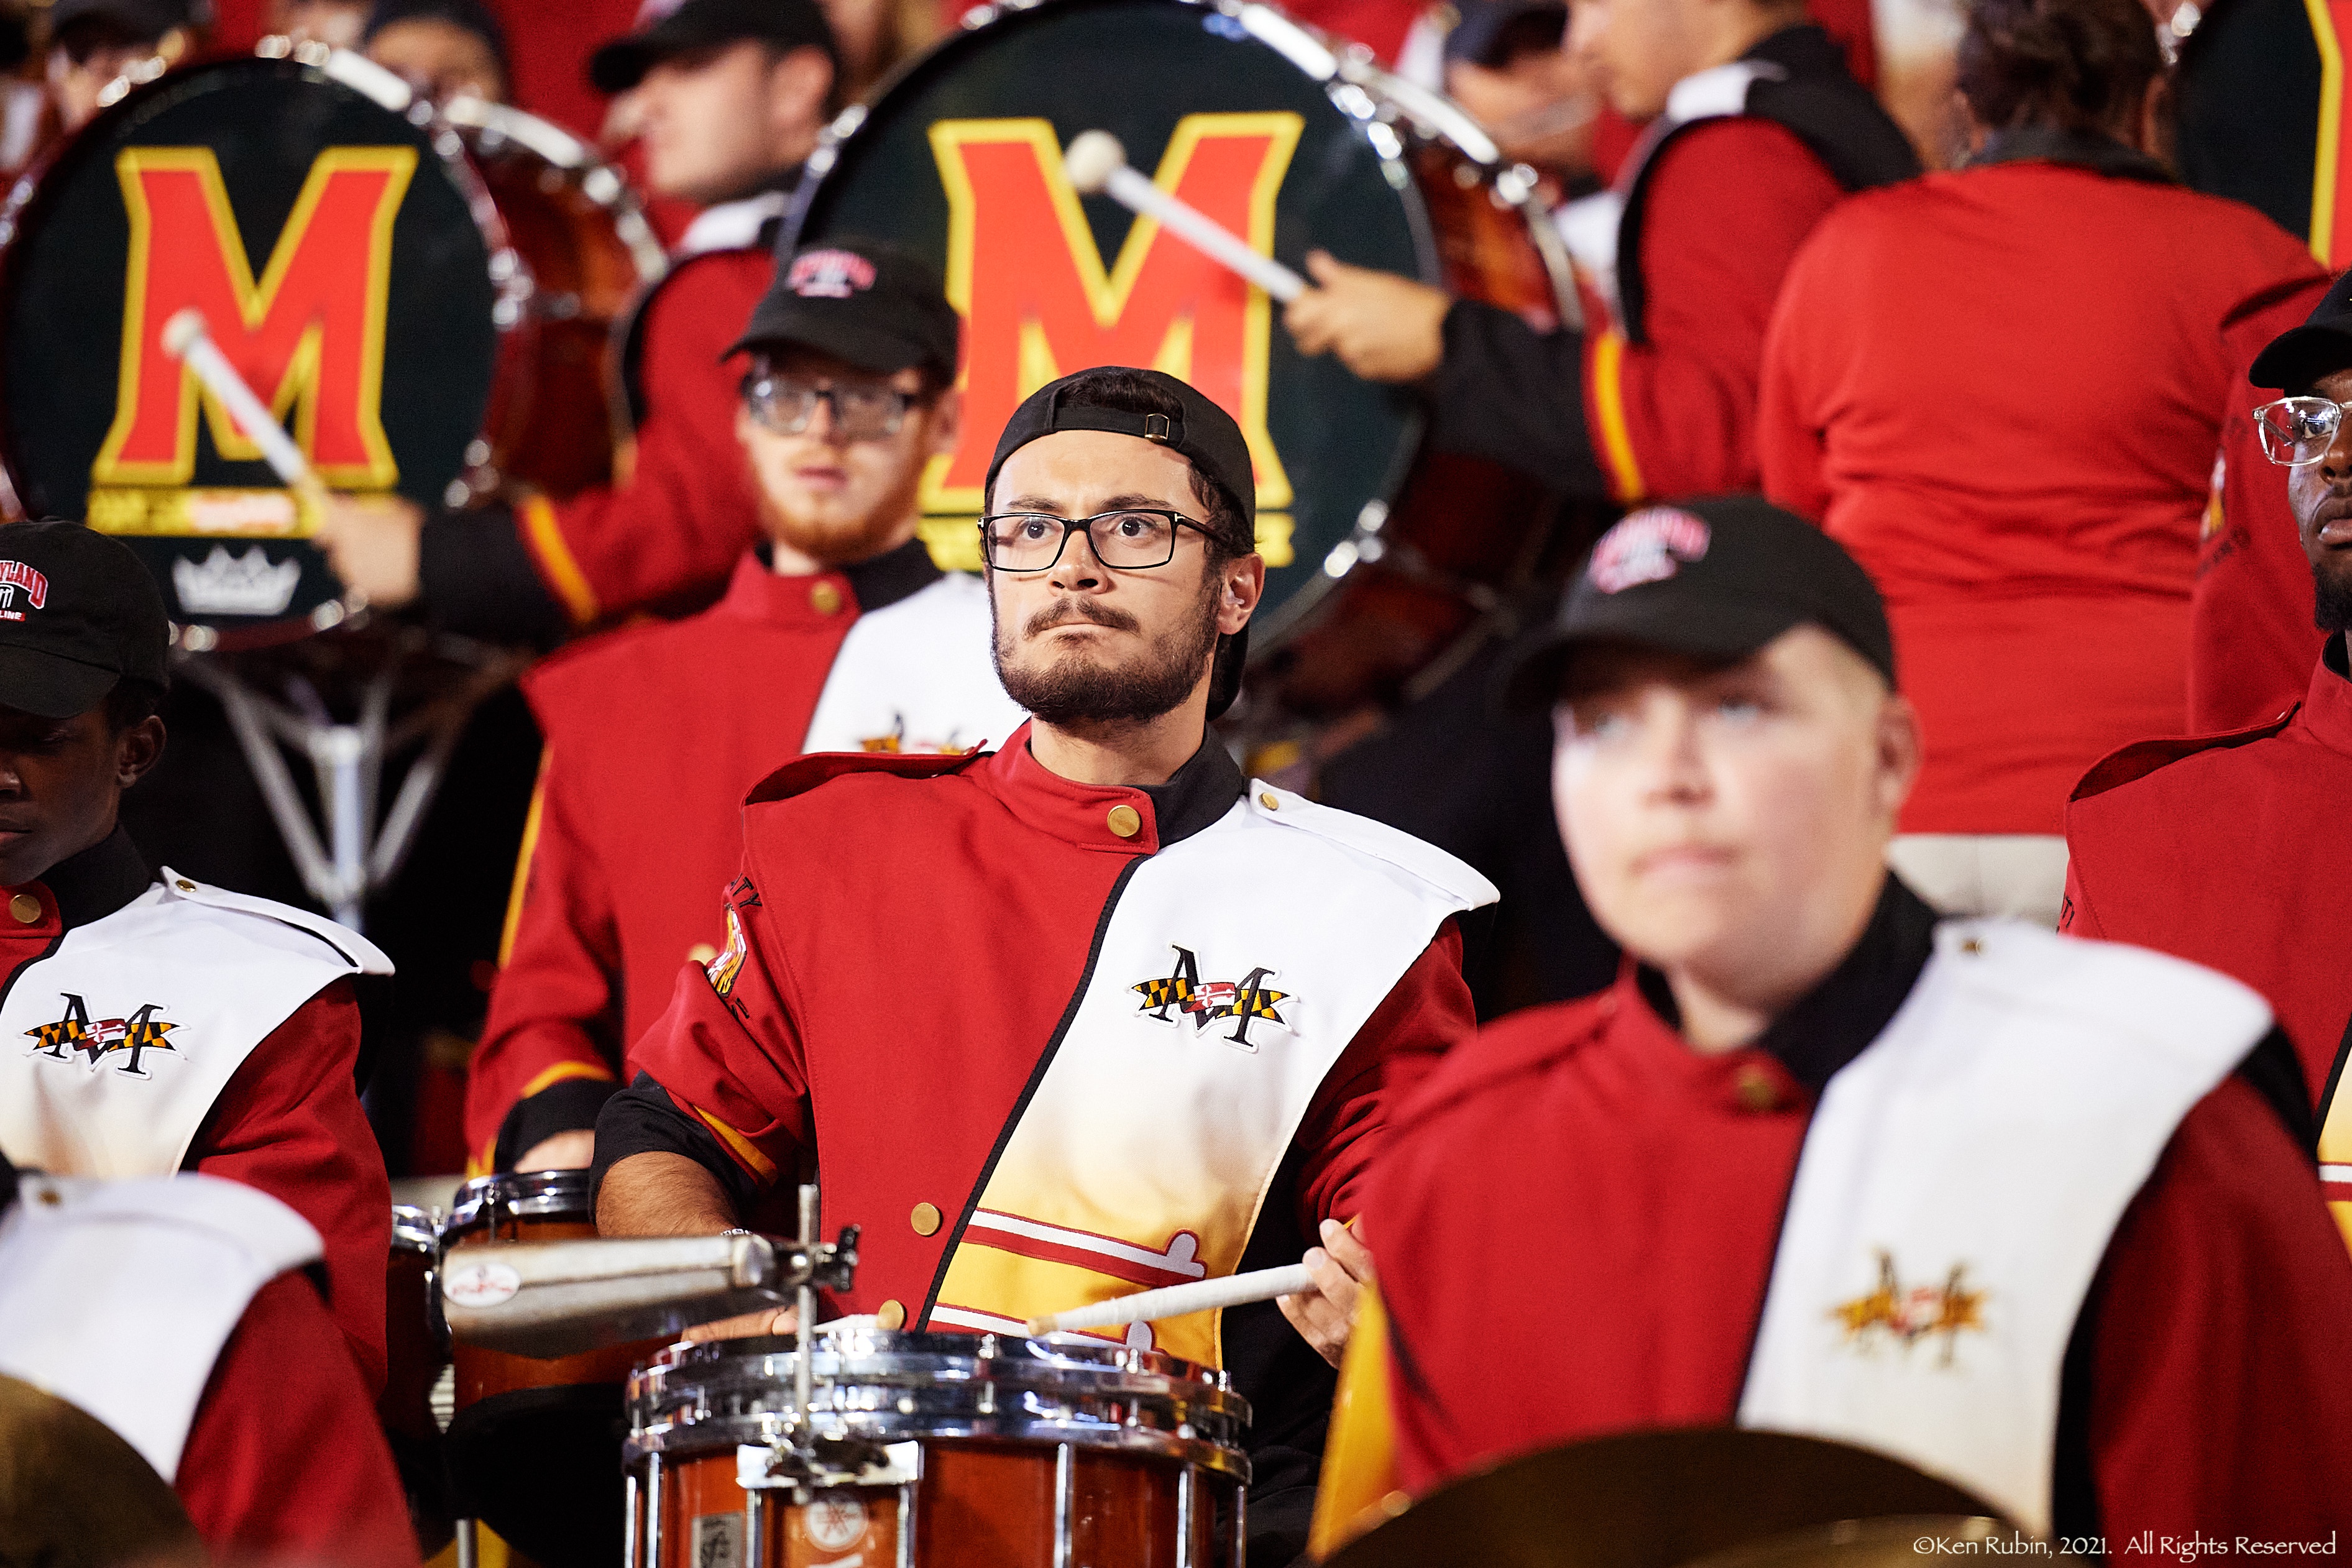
79,615
1715,579
669,29
878,306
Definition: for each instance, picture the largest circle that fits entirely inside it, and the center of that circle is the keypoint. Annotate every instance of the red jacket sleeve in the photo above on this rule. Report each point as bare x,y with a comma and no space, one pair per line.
555,1009
284,1461
1792,433
729,1052
683,511
1426,1013
2075,915
1727,206
289,1124
2222,1399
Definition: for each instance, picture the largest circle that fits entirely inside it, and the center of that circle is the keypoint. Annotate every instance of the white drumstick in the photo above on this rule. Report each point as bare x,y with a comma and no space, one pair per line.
186,339
1096,164
1175,1301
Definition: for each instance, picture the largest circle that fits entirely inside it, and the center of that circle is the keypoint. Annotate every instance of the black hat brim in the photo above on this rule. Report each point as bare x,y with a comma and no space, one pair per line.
1539,664
2300,356
50,685
885,353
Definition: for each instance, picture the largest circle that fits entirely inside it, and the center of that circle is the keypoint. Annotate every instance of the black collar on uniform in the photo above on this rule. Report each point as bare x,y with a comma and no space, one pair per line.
1196,794
2079,149
892,576
1802,50
1828,1026
99,881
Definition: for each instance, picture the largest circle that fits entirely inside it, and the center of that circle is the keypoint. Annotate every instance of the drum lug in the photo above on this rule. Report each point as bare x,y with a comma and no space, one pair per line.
1066,1498
1187,1495
825,1461
653,1530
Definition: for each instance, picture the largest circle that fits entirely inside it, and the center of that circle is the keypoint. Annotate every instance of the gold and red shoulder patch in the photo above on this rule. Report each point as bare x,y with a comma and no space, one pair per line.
128,1039
1892,1312
1182,994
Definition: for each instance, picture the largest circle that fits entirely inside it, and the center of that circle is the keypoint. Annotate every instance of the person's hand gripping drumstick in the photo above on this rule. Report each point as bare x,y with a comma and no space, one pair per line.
1317,1294
370,541
1383,326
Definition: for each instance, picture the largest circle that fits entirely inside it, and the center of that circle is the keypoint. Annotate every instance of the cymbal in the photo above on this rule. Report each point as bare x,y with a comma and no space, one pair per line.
1652,1500
73,1494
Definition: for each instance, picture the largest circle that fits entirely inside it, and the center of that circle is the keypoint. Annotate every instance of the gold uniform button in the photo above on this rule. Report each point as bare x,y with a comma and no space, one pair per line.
925,1219
701,953
1972,947
1125,821
1267,798
1755,1089
825,598
185,885
891,1317
27,908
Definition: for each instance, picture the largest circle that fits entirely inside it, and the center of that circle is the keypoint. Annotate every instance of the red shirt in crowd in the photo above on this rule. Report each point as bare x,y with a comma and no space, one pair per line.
2023,467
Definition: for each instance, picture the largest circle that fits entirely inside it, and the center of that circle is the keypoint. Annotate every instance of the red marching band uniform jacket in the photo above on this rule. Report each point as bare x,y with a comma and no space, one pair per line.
1049,1041
175,1027
2037,555
654,736
2216,847
1709,209
176,1311
1629,1221
680,511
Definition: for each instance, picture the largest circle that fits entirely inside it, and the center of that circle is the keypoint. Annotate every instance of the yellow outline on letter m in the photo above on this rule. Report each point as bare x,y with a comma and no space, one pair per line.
307,336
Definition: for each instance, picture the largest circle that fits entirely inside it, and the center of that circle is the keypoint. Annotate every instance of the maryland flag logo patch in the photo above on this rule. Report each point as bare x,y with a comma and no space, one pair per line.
723,970
1893,1312
1182,994
127,1040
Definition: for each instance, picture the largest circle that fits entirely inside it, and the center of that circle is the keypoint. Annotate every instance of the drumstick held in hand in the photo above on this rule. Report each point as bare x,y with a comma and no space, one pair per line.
186,339
1175,1301
1096,165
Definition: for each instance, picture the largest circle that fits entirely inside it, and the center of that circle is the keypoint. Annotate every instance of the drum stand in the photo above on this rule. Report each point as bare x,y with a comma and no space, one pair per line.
359,855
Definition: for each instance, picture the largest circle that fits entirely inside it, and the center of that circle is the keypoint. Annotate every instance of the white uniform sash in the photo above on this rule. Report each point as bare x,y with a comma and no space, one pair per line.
114,1047
117,1296
916,676
1236,967
1929,1277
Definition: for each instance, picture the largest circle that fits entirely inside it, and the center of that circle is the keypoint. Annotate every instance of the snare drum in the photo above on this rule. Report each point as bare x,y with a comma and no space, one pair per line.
987,1452
419,1350
534,1446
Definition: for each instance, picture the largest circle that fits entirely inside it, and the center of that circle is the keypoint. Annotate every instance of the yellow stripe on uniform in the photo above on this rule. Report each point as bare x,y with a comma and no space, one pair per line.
1359,1486
523,864
1608,378
761,1165
545,541
549,1077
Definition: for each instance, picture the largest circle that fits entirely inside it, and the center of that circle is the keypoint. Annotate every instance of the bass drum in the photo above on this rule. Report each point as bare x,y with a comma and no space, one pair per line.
355,265
1291,140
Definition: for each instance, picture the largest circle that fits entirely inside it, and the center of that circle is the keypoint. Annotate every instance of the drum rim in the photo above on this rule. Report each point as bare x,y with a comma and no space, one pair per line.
416,1229
1073,1352
524,1194
710,1440
579,161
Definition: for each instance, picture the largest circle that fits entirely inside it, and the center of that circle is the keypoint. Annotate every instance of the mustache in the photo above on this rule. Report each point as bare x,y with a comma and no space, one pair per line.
1070,607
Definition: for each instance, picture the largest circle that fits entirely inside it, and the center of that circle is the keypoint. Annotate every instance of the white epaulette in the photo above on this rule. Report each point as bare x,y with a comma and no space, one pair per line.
1377,841
363,955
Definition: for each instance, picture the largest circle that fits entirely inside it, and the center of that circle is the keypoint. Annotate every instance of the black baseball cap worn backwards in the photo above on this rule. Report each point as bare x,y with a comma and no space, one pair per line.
1716,578
1200,430
873,304
668,28
2322,346
79,615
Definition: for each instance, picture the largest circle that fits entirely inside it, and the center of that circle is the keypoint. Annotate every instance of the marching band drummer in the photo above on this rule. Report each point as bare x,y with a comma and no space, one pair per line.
1758,131
727,97
1087,1012
177,1313
166,1026
2210,847
2032,1213
837,634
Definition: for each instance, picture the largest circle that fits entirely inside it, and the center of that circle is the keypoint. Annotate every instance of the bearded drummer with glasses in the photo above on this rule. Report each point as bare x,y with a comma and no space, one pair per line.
2216,848
837,634
1090,1013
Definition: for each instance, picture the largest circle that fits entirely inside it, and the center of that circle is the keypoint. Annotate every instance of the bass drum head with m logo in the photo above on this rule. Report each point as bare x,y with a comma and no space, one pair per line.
1237,110
345,263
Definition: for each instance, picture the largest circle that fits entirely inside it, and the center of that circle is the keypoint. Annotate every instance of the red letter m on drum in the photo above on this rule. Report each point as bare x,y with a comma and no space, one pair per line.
307,336
1037,302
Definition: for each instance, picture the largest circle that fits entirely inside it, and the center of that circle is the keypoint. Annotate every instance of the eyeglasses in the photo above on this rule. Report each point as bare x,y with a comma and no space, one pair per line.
2298,431
1129,539
860,412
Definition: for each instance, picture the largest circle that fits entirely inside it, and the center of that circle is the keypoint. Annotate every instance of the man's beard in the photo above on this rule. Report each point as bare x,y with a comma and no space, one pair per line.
1072,690
2331,601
